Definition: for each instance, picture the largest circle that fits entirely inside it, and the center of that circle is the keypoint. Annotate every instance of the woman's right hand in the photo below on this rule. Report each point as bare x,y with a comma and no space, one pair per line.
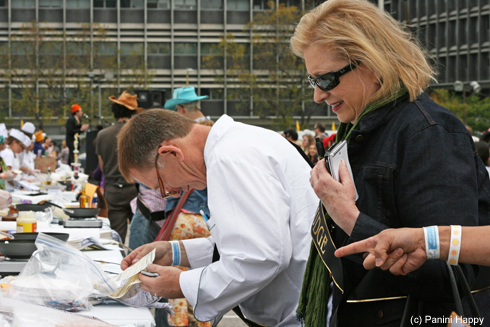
338,198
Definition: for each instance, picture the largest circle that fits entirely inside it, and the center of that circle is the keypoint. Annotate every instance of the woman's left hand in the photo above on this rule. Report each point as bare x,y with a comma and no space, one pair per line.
338,198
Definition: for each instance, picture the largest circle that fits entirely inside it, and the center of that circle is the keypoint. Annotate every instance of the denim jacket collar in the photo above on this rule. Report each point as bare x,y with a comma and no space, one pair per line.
382,115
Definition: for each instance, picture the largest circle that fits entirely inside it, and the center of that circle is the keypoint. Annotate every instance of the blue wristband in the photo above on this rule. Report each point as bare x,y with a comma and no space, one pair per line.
432,247
175,253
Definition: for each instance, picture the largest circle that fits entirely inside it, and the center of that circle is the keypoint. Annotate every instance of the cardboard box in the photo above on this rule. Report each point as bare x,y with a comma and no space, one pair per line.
43,164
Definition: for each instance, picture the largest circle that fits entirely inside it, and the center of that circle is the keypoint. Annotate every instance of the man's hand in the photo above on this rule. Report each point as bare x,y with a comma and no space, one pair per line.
84,127
166,285
163,254
399,250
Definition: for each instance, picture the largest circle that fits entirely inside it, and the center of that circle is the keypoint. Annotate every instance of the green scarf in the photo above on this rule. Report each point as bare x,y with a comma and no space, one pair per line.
312,307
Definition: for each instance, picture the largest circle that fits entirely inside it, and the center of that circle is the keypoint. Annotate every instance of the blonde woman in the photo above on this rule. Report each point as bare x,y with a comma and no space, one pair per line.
413,164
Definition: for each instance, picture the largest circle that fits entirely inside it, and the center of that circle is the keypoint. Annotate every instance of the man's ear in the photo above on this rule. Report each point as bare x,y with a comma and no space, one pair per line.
171,149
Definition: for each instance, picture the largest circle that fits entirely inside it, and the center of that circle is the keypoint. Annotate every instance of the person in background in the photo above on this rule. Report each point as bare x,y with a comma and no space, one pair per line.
483,153
26,158
118,193
313,154
369,69
470,130
74,126
307,141
64,153
15,142
185,101
6,173
39,144
319,129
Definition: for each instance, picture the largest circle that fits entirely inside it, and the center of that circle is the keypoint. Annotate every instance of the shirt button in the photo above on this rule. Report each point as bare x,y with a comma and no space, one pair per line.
359,138
380,314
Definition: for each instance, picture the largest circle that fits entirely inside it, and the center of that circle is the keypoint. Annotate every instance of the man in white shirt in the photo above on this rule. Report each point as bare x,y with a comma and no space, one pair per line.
261,204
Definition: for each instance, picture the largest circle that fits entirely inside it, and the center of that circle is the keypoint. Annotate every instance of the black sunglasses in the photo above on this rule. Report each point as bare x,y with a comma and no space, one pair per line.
328,81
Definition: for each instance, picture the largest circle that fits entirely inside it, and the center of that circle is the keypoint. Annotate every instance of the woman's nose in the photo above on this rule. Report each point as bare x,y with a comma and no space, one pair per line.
320,96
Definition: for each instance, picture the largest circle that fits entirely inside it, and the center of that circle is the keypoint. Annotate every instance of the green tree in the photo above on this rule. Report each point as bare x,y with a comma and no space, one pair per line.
277,83
49,70
471,109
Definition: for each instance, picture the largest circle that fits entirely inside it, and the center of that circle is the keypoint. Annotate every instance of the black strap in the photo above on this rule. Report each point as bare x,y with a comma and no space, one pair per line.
247,322
151,216
236,309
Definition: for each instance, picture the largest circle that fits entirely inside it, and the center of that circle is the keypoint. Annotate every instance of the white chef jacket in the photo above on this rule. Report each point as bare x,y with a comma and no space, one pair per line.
262,206
8,157
26,159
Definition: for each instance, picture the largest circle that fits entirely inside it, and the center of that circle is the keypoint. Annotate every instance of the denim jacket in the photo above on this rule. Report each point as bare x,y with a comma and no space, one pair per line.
414,164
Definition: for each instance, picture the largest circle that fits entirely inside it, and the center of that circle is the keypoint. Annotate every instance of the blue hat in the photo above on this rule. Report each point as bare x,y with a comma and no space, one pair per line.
183,95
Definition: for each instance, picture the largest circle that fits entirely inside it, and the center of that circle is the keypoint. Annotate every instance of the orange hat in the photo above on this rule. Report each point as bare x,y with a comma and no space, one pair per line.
39,136
75,108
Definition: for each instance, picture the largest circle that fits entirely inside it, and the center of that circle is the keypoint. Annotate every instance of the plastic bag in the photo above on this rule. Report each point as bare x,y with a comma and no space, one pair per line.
22,314
59,276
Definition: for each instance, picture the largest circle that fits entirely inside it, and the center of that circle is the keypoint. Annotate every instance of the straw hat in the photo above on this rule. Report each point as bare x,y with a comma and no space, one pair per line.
127,100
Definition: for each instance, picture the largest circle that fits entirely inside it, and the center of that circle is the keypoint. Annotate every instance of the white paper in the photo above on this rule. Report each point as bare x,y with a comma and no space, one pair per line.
335,156
136,268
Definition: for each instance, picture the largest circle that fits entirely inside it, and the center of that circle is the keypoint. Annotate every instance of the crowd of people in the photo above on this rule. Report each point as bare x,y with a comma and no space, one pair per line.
265,230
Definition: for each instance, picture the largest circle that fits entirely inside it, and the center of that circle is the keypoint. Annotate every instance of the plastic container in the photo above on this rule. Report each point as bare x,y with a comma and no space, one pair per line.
26,222
95,202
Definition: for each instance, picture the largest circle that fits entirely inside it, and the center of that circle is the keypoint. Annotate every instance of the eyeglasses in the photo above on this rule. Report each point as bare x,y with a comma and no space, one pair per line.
160,182
328,81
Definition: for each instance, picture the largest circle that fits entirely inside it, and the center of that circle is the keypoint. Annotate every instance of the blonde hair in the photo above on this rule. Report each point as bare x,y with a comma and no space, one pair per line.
360,32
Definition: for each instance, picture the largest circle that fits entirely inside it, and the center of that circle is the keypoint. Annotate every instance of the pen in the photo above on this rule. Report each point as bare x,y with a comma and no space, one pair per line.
204,216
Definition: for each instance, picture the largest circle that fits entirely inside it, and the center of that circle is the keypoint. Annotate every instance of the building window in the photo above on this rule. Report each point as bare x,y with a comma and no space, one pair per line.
105,3
185,48
214,94
132,55
77,4
3,3
134,4
23,54
159,4
261,5
158,48
211,4
105,54
50,3
211,56
185,4
237,4
159,55
77,54
23,4
290,3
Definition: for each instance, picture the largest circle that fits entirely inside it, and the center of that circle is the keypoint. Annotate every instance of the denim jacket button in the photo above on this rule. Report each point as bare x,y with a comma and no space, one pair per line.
359,138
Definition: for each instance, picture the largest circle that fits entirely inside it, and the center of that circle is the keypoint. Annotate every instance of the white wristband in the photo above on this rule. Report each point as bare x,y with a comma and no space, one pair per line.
175,253
432,246
454,245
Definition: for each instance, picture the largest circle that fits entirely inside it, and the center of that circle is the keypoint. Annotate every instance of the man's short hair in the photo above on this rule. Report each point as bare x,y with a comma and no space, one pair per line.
291,133
191,106
138,140
320,126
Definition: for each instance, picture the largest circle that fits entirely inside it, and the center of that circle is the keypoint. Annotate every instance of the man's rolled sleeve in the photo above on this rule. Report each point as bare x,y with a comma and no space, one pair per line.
199,251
